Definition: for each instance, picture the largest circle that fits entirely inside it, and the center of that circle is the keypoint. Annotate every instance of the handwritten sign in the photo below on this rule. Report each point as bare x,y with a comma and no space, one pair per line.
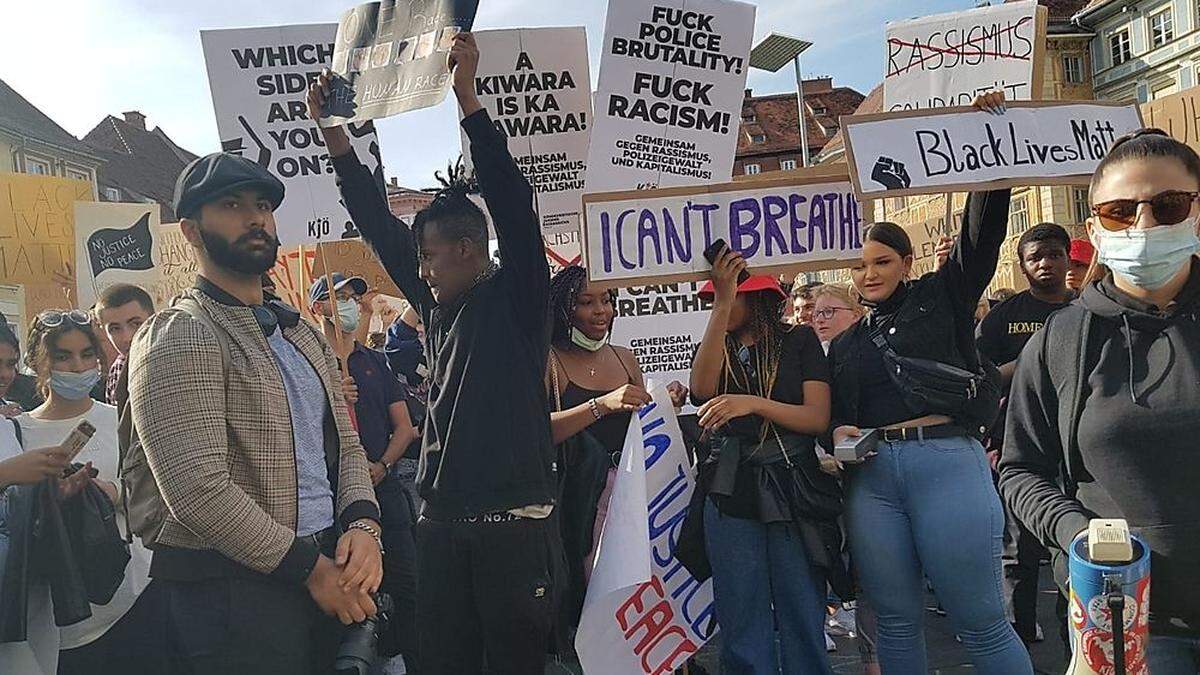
114,243
805,220
924,237
672,80
1177,114
562,248
259,79
292,275
535,86
37,234
946,60
644,612
177,267
353,258
1034,143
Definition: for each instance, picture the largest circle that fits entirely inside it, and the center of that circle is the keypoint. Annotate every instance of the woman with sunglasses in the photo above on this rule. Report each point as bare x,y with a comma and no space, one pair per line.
65,353
1106,395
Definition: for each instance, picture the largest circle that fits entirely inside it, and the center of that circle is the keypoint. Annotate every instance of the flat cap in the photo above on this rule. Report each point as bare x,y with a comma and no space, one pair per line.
219,174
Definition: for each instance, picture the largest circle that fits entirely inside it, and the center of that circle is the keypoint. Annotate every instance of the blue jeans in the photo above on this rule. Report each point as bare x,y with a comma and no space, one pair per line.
928,508
1173,656
762,579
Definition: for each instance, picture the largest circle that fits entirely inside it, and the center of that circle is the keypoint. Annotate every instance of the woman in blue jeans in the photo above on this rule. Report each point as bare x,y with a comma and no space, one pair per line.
765,393
924,505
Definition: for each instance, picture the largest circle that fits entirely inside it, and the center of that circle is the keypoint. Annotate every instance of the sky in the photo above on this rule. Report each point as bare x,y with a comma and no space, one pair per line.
79,60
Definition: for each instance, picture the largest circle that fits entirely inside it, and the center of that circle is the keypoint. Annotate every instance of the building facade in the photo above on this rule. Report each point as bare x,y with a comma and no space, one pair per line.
1143,49
31,142
140,165
769,133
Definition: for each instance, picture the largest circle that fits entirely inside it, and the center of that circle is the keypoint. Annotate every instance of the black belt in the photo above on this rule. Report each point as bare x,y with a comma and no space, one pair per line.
326,540
922,433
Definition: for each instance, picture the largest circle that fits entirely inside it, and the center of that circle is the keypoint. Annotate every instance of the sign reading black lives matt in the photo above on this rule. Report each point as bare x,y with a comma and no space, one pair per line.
392,56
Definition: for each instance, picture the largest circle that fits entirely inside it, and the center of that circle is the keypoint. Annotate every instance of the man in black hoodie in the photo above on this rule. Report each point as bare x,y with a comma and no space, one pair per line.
486,544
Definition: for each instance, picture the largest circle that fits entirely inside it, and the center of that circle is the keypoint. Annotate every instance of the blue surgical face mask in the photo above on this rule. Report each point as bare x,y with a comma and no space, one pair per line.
1148,258
74,386
348,315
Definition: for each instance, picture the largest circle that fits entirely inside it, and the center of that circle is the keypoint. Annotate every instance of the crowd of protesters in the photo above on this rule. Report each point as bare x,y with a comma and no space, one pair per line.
256,488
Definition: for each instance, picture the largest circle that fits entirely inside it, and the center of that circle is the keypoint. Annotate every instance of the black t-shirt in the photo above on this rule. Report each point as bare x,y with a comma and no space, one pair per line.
1004,331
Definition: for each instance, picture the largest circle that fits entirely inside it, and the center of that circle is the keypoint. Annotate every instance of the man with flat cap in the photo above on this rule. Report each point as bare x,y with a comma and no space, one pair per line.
271,525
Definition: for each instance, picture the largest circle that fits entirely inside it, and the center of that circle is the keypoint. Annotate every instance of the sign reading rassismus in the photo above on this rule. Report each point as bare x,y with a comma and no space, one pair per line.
672,80
966,149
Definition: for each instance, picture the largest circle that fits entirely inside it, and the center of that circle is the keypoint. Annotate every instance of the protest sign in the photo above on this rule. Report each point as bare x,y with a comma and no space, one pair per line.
644,613
663,326
562,248
1177,114
672,80
924,237
806,220
12,305
353,258
259,79
535,85
115,243
292,275
37,235
176,262
391,57
946,60
960,149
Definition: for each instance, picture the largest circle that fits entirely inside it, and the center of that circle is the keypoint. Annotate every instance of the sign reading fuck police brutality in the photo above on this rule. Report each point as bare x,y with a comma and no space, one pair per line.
672,79
960,149
946,60
535,86
259,79
803,220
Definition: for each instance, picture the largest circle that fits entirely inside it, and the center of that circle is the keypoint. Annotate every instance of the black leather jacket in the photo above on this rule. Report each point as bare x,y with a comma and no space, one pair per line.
934,316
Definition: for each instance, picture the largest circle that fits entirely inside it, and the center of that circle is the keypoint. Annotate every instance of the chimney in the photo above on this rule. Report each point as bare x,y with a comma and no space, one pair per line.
749,92
135,118
394,182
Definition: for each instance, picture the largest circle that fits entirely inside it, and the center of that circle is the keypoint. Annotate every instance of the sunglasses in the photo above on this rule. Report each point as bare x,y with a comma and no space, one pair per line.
53,318
1169,208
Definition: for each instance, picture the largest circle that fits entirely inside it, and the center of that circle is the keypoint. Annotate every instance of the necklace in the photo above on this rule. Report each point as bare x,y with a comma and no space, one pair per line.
591,371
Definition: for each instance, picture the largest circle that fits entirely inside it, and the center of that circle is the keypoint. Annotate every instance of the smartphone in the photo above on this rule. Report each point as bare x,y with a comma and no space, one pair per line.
854,449
77,439
714,249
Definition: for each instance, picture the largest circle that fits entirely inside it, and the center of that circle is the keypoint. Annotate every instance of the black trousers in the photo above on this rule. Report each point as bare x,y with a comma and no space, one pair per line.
1021,558
399,570
487,595
134,645
247,624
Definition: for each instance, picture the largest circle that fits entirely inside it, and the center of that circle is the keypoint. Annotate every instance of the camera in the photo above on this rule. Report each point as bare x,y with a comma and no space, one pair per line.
360,644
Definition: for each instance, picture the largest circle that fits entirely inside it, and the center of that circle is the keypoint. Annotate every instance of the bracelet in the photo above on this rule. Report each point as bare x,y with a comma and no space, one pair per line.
595,408
369,529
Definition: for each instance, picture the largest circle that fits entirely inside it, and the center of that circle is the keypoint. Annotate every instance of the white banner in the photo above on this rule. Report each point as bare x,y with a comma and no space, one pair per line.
644,612
672,80
259,79
115,243
535,86
960,149
663,325
946,60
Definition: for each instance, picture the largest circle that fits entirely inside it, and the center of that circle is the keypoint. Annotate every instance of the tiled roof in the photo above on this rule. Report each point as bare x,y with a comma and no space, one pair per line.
873,103
21,118
1063,10
141,163
776,122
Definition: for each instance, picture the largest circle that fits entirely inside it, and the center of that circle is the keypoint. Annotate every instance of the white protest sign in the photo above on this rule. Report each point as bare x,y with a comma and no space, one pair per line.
259,79
1034,143
672,80
663,326
535,86
946,60
562,248
644,613
804,220
115,243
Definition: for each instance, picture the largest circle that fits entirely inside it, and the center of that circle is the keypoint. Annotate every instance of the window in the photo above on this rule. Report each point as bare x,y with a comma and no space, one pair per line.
78,175
819,109
112,194
1162,28
787,164
1072,69
1080,207
749,118
37,166
758,138
1118,47
1018,215
753,169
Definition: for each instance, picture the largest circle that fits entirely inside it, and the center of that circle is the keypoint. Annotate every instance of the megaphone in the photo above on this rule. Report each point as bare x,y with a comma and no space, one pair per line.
1109,577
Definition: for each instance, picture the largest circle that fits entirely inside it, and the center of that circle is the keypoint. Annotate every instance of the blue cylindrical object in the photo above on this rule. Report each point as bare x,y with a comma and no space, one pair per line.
1090,618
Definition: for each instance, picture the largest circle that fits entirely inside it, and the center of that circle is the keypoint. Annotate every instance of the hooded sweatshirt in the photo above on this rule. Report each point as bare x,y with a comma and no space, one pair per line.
1138,437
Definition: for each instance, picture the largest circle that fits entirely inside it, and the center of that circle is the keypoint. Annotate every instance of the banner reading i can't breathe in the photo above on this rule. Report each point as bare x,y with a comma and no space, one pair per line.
672,80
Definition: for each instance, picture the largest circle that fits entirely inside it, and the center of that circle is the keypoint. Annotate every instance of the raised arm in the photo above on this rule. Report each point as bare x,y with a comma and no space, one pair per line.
710,356
972,262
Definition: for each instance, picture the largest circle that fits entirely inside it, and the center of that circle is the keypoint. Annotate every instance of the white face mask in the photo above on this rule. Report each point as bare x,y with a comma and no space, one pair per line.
1148,258
584,342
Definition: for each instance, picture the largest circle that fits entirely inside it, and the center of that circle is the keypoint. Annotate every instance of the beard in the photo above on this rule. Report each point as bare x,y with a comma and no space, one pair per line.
235,257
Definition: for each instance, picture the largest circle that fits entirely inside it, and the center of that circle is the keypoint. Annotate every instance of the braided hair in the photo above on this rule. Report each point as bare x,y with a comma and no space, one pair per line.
764,321
565,288
456,216
42,341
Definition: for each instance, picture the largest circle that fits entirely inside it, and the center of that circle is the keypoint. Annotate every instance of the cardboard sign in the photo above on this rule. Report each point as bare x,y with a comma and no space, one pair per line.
961,149
535,86
37,235
924,236
353,258
259,79
946,60
293,274
672,80
391,57
1177,114
644,612
176,261
115,243
806,220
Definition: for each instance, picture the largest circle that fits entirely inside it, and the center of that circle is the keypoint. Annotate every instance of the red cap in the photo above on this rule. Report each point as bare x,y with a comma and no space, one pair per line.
1082,251
757,282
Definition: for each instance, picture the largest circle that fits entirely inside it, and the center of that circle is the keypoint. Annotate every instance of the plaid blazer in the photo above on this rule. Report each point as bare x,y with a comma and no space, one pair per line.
219,439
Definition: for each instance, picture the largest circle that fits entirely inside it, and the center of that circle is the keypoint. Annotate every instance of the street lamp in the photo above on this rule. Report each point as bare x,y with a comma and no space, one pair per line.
773,53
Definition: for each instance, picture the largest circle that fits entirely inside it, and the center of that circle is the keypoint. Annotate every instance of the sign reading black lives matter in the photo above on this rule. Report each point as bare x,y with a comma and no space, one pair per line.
672,80
259,79
960,149
535,86
391,57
